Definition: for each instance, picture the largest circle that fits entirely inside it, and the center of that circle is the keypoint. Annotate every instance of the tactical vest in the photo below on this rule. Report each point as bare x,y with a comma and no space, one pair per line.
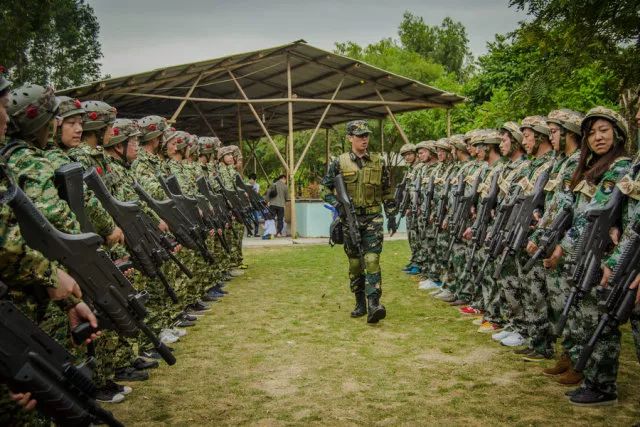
363,185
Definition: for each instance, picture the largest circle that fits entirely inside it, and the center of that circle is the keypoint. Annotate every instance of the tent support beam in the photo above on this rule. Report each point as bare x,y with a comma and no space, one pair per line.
291,169
257,117
184,101
315,131
393,118
204,119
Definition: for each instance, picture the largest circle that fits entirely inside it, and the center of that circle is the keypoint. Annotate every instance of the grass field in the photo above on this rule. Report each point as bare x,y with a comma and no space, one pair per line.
281,349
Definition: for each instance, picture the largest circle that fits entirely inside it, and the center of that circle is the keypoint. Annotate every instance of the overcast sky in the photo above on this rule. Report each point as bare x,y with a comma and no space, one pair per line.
141,35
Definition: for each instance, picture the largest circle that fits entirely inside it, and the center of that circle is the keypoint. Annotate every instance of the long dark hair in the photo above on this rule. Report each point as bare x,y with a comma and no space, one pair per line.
591,167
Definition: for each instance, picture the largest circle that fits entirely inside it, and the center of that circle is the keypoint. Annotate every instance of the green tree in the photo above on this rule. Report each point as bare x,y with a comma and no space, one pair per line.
50,42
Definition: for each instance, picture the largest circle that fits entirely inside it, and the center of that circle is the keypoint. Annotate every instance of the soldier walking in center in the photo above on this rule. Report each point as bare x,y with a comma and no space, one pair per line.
366,180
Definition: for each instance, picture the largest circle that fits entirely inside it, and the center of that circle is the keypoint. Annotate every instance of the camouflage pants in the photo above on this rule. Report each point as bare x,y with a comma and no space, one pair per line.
511,286
455,266
536,308
112,352
492,298
437,267
558,289
236,245
364,273
581,323
635,329
412,235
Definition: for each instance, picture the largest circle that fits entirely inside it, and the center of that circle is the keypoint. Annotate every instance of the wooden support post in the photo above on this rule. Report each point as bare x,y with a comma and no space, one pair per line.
184,101
381,126
204,119
259,120
393,119
291,169
448,122
327,151
315,131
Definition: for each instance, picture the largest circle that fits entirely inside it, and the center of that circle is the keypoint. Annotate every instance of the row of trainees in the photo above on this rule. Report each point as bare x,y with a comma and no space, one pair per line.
41,133
522,227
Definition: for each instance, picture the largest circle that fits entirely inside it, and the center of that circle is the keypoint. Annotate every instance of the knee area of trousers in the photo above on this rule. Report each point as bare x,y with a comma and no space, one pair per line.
372,262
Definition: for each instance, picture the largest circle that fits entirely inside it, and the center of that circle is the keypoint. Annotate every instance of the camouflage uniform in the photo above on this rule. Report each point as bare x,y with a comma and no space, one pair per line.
227,175
367,184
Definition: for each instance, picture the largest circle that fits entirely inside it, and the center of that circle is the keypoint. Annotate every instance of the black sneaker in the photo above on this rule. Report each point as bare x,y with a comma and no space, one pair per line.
149,354
108,394
570,393
589,397
130,374
523,351
184,324
140,364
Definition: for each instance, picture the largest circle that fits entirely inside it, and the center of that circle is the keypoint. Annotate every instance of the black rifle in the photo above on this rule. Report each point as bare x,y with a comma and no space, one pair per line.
621,300
426,206
441,208
493,241
349,215
187,207
551,237
220,212
517,234
68,181
117,304
593,244
143,239
33,362
483,217
462,211
257,201
401,199
235,206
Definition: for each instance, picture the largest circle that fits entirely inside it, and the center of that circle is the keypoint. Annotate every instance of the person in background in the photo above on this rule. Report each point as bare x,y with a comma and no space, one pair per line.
277,196
256,214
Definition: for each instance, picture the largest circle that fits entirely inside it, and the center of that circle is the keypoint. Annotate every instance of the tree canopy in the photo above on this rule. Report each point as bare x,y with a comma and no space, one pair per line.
50,42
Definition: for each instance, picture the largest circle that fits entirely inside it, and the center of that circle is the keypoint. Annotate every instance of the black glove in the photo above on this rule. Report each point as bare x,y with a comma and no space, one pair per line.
392,227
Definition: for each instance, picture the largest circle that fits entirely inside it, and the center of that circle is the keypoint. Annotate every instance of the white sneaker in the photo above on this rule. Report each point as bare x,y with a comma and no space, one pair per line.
178,332
478,321
445,294
513,340
428,284
236,272
436,292
125,389
167,337
499,336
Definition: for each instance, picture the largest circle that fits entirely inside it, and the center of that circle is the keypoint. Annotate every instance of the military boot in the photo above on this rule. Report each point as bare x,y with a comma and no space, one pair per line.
361,305
377,311
562,365
570,377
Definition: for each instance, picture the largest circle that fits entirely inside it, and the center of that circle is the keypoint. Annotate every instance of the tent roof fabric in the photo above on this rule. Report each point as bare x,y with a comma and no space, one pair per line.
262,74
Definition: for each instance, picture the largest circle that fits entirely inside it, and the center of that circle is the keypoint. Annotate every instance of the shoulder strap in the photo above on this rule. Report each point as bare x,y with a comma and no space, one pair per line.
14,145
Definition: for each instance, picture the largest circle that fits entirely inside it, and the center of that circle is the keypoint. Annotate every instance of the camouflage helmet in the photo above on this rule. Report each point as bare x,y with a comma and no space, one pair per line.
193,148
537,123
358,127
206,144
458,143
486,137
444,144
168,134
98,115
4,83
31,108
69,107
608,114
568,119
469,135
182,140
407,148
151,127
514,130
122,130
223,151
237,154
423,144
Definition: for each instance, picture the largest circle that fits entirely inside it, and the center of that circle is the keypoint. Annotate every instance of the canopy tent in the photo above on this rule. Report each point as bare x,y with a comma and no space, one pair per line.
256,94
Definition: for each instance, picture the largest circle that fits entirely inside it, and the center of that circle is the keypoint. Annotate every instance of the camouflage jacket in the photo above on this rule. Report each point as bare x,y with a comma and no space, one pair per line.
227,175
592,195
145,170
184,175
327,186
100,219
558,191
93,158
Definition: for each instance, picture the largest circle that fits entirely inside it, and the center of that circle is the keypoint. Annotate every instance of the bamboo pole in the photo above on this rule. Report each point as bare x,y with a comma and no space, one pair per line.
246,100
448,122
381,126
291,170
204,119
257,117
184,101
315,131
393,119
328,150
